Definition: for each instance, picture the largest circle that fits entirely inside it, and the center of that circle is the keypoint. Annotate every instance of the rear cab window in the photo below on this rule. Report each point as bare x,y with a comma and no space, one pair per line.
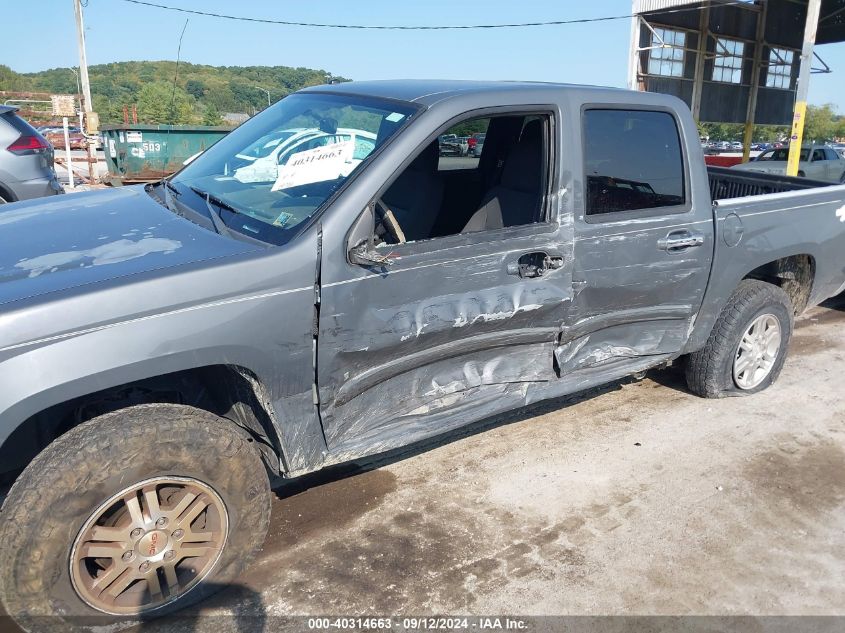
634,164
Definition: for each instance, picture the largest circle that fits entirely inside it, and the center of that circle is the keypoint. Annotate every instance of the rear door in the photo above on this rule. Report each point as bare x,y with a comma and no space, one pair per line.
643,243
836,169
819,167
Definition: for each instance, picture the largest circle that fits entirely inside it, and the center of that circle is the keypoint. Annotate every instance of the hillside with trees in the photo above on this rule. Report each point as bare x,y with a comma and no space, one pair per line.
202,93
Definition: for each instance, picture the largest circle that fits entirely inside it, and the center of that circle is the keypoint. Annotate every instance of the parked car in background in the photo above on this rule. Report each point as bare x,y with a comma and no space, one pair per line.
464,143
260,161
476,143
450,145
75,137
816,163
26,160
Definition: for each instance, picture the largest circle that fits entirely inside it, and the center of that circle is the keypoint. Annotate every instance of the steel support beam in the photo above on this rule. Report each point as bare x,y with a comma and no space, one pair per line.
747,137
634,54
698,78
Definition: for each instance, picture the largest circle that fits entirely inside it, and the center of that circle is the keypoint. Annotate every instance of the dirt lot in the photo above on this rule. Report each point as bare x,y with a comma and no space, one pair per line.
638,499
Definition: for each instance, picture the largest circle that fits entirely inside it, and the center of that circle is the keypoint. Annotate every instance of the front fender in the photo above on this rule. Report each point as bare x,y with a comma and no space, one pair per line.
248,333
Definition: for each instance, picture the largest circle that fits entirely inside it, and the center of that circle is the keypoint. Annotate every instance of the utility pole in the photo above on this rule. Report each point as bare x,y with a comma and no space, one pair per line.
92,122
798,118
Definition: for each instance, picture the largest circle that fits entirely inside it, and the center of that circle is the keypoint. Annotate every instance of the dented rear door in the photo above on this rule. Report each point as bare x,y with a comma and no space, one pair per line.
644,238
452,329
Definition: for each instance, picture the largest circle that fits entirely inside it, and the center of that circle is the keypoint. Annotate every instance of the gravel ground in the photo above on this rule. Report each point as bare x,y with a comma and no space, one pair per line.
638,498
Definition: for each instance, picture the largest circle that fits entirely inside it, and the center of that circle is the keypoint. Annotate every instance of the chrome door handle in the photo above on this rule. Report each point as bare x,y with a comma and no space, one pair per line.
679,241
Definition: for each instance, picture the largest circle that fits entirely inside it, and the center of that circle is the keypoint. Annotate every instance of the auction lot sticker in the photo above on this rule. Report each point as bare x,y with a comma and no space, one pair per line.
315,165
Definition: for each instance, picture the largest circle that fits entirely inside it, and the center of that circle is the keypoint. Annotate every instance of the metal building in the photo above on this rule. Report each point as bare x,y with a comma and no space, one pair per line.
732,61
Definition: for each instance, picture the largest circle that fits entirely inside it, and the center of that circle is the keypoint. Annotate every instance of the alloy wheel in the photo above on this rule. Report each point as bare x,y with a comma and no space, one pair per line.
757,352
148,545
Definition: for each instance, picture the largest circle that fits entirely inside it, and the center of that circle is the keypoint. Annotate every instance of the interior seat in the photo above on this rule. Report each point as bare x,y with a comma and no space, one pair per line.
416,195
516,199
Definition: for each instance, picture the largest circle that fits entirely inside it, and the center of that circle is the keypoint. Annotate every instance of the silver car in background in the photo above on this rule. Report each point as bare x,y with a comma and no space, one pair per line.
816,163
26,160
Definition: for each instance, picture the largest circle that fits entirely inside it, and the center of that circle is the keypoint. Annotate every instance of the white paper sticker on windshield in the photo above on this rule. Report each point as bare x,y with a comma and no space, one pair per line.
315,165
393,117
261,170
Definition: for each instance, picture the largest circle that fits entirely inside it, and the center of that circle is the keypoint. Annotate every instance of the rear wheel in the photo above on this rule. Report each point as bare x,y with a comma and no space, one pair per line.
131,515
748,345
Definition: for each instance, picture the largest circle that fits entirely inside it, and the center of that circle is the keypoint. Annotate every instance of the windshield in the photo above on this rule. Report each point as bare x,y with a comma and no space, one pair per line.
276,170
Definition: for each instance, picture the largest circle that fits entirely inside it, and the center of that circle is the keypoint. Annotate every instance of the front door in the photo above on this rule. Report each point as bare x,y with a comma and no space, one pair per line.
453,328
643,245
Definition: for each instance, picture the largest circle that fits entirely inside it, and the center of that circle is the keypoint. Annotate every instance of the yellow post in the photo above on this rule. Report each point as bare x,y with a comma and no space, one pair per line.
747,138
797,136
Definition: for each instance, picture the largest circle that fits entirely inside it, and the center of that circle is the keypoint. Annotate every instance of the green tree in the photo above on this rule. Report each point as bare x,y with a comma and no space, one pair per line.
212,116
821,123
10,80
158,102
195,88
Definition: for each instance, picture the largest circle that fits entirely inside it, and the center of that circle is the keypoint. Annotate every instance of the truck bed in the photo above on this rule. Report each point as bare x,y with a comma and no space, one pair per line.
728,183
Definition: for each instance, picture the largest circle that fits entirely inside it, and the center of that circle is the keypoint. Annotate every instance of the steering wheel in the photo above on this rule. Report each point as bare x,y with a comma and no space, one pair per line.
390,222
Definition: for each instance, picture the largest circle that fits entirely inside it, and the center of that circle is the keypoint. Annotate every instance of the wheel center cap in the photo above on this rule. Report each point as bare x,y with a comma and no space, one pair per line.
152,544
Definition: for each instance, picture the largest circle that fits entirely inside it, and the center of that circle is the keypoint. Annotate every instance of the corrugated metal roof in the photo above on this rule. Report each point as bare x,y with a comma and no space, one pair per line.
646,6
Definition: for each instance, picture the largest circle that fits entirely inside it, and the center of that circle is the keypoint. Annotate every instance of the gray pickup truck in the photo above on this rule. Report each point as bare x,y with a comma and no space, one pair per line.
167,349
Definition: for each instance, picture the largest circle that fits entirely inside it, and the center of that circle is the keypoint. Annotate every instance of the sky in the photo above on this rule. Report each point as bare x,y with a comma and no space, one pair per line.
595,53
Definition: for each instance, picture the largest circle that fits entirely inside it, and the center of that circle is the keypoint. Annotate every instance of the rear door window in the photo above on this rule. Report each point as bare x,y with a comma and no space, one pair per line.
633,161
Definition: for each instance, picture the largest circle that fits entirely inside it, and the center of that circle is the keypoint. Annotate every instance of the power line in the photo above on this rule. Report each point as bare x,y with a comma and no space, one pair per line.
396,27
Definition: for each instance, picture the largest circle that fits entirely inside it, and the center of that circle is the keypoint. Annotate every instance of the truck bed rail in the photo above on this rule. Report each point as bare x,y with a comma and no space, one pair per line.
728,183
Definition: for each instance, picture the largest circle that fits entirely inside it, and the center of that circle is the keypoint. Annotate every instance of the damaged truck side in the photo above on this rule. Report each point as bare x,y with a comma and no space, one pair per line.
322,285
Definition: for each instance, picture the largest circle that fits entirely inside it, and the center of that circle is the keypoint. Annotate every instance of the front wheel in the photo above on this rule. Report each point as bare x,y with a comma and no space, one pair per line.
133,514
748,345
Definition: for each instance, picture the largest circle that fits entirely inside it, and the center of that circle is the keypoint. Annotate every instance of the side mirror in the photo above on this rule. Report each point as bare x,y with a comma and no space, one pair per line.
360,247
363,255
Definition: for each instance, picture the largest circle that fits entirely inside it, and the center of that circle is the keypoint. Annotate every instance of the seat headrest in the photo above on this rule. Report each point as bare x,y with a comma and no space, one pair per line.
523,166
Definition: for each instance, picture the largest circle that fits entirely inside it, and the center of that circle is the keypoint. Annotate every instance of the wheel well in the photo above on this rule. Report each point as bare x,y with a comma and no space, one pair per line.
794,275
228,391
6,194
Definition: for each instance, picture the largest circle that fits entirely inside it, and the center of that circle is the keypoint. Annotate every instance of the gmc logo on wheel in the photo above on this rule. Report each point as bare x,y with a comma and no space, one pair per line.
153,542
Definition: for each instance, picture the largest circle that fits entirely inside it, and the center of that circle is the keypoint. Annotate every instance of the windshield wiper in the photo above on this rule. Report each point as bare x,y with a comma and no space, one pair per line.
168,187
216,220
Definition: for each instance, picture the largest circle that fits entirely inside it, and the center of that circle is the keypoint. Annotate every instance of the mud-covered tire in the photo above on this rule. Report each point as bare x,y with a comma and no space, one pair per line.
710,371
57,493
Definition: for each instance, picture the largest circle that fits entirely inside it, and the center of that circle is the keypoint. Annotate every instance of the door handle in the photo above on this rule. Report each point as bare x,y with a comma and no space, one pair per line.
533,265
678,241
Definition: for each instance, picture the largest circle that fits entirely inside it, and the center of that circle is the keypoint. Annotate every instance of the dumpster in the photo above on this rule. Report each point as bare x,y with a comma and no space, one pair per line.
144,153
